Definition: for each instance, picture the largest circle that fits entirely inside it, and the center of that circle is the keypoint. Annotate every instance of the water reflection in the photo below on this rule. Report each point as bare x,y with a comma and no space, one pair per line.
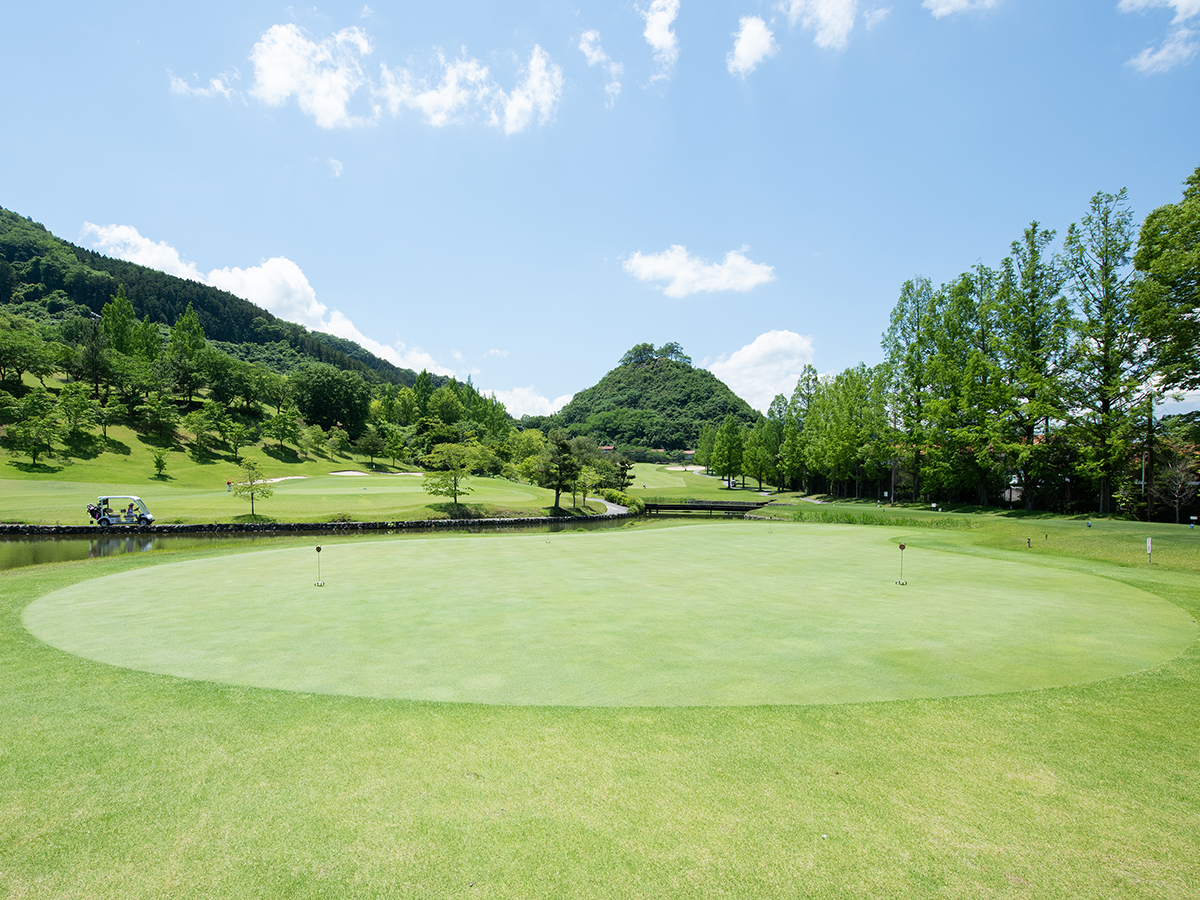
35,550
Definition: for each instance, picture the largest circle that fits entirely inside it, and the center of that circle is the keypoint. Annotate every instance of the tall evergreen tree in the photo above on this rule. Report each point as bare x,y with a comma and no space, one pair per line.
908,343
1033,332
1112,388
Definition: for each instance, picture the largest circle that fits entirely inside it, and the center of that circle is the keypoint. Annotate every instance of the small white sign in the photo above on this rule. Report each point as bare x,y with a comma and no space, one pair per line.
1147,545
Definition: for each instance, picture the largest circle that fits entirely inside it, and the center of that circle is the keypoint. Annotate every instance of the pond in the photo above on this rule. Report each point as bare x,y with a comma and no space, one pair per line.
36,550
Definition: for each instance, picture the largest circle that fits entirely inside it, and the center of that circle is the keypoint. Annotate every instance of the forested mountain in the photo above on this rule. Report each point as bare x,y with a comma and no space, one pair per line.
654,398
44,276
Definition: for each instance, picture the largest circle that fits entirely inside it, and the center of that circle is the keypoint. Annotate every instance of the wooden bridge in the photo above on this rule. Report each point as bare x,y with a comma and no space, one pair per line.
728,507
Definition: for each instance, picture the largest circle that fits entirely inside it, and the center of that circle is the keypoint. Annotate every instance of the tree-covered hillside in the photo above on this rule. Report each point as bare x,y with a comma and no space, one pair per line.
654,398
43,276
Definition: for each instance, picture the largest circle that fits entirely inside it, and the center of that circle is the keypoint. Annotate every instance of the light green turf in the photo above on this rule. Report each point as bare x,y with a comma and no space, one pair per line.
671,482
729,614
118,784
365,497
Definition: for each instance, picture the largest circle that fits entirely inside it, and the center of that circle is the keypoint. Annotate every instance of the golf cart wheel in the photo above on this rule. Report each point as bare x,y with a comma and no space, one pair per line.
103,522
142,520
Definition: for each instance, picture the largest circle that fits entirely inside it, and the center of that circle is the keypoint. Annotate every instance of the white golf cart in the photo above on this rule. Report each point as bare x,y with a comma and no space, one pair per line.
119,510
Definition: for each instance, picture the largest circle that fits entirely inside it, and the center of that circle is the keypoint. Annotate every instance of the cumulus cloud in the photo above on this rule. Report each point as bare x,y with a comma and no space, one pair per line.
830,20
465,89
1179,47
329,80
658,34
686,274
589,44
278,285
124,242
526,401
335,167
875,15
216,87
941,8
537,93
464,84
752,43
495,352
770,365
323,76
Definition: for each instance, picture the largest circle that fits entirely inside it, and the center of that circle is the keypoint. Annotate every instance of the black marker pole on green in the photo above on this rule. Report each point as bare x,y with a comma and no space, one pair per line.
901,580
319,582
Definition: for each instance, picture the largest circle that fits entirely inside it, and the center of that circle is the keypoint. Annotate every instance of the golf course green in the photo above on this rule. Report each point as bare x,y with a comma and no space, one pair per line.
738,614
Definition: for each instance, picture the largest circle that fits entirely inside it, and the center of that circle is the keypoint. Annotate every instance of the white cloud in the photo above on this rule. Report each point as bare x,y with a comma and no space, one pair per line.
688,274
326,75
464,83
323,76
875,15
1182,402
217,87
658,34
589,43
466,89
753,43
335,167
1184,9
366,12
537,93
526,401
770,365
494,352
831,20
941,8
1179,47
124,242
278,285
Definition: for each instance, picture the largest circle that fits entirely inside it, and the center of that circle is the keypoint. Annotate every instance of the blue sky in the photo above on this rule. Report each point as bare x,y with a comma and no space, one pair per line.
519,192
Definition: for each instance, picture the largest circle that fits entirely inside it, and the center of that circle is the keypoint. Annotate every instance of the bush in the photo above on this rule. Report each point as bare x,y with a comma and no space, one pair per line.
633,504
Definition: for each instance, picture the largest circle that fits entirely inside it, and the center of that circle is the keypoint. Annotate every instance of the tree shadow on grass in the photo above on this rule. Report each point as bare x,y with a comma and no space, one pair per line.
83,445
35,468
284,455
255,519
112,445
457,510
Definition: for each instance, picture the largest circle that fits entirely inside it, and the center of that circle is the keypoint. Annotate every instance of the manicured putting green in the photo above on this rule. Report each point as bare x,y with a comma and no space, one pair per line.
734,614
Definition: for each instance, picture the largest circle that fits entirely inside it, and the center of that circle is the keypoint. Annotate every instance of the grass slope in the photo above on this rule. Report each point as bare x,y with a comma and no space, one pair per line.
58,490
118,783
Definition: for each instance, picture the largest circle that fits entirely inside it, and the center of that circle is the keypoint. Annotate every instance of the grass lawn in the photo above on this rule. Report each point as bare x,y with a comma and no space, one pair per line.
116,782
810,614
57,491
669,482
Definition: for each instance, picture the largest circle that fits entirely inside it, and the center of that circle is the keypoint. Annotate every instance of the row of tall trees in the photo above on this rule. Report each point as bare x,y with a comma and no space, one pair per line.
1034,382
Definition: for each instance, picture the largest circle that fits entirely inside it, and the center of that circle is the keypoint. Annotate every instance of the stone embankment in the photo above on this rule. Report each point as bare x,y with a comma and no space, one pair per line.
10,529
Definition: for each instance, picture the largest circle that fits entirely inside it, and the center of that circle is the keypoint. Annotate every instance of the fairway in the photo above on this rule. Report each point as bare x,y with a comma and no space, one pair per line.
707,615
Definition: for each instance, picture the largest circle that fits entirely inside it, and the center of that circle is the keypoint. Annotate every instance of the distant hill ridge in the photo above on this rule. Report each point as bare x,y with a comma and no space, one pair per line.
653,398
42,275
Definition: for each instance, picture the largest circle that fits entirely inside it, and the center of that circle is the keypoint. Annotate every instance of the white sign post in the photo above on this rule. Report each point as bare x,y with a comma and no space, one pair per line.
1148,545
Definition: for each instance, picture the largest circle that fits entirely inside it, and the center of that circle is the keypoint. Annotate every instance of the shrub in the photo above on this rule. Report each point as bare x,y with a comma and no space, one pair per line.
633,504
